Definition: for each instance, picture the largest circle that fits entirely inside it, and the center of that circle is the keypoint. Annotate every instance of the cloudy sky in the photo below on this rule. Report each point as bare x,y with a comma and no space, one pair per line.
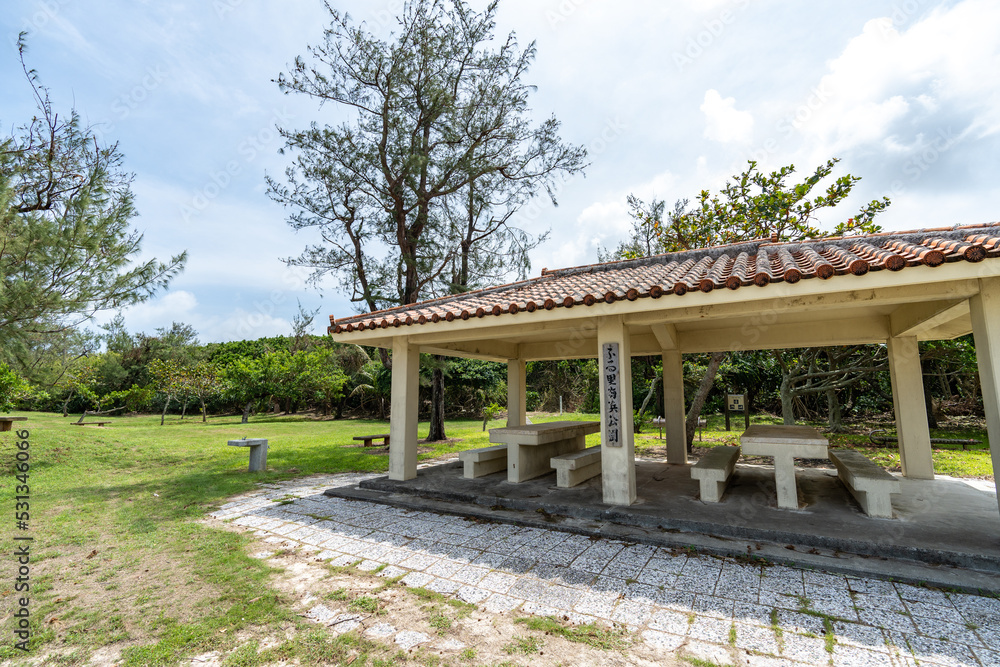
670,97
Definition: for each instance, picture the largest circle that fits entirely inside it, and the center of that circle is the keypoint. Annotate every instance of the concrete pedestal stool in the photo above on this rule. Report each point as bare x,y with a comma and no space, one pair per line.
258,452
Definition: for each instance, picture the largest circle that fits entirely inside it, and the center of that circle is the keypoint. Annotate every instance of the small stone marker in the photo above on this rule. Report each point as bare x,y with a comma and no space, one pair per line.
612,431
258,452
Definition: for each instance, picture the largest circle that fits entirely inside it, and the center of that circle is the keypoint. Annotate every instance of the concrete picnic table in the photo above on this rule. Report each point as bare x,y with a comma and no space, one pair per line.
6,422
530,447
785,444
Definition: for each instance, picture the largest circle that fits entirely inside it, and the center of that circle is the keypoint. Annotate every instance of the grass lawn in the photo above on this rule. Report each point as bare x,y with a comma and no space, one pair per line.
117,552
119,557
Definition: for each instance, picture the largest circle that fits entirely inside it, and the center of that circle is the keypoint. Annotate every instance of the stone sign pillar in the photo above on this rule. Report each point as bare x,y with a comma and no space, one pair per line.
617,444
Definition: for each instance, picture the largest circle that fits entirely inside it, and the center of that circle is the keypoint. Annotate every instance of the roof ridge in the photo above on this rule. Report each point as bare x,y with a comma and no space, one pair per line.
658,275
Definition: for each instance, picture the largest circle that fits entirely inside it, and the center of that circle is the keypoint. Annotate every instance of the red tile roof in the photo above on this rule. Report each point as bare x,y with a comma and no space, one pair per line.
722,267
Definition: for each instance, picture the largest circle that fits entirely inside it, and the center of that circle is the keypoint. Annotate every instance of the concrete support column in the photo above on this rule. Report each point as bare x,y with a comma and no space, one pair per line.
516,393
985,310
911,411
673,406
617,463
404,410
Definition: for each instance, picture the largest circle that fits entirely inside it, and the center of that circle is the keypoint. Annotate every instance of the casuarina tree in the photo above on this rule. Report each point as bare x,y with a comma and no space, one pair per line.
67,246
401,196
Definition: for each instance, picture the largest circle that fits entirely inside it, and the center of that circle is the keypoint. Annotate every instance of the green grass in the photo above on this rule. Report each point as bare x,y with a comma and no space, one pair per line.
523,645
133,493
591,634
365,603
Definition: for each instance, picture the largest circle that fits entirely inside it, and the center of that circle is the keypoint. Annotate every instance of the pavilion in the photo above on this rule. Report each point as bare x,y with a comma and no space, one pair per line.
896,289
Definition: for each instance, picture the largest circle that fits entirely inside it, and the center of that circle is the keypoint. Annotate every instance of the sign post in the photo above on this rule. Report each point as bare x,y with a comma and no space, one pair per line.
737,403
610,366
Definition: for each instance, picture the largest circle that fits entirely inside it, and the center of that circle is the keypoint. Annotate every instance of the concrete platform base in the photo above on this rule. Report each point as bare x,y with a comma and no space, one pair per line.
946,532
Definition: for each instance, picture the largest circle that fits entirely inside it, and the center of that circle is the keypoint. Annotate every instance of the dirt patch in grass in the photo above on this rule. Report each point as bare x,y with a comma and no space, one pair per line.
98,595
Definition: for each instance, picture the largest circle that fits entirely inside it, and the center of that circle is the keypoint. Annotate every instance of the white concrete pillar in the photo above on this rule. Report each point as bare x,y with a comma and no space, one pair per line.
516,393
985,310
673,406
911,412
617,463
404,410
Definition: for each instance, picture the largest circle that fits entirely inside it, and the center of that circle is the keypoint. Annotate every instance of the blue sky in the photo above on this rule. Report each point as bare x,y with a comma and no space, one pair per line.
670,98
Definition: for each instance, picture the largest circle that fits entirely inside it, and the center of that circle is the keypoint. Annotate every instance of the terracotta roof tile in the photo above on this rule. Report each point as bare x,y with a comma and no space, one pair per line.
733,267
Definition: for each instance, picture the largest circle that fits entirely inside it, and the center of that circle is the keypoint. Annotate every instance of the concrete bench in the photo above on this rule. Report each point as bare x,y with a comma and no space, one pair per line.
713,472
868,483
483,461
258,452
89,423
6,422
368,439
577,467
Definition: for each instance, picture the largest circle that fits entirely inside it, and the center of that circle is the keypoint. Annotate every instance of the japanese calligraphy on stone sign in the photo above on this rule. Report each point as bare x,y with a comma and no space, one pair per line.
612,428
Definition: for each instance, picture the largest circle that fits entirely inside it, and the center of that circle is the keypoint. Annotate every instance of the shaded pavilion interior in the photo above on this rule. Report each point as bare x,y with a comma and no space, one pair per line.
893,289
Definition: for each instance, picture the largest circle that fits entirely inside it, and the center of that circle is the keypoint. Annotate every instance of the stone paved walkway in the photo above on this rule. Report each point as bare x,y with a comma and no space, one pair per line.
765,616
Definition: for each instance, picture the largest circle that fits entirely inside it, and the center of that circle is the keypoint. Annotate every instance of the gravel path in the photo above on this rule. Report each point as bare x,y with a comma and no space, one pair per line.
718,609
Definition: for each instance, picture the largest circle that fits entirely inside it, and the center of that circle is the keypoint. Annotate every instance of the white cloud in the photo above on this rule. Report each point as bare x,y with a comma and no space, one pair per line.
723,122
943,63
174,306
244,325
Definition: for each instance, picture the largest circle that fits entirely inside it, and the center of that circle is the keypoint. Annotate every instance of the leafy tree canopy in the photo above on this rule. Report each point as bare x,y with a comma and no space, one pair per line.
753,205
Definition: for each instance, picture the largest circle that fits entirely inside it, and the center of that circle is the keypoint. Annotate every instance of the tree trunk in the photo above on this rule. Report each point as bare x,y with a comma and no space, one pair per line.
436,432
645,402
66,403
204,412
166,404
929,404
833,408
698,402
787,401
184,409
246,412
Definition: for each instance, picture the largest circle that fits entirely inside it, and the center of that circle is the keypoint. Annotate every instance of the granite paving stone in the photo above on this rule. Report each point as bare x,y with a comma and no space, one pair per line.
673,622
673,601
662,640
861,636
756,638
852,656
810,650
